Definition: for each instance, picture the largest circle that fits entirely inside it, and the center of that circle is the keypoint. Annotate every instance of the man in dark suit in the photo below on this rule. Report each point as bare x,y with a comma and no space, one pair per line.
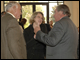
62,40
13,45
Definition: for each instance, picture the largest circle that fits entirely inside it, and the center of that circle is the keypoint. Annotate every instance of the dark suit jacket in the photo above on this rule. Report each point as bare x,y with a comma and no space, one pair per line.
62,40
35,49
13,45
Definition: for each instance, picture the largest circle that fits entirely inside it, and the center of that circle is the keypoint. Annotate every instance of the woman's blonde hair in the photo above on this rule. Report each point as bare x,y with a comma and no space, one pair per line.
34,15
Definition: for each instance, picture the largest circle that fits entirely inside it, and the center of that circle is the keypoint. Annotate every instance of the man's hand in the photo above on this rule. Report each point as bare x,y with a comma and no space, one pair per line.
34,36
36,29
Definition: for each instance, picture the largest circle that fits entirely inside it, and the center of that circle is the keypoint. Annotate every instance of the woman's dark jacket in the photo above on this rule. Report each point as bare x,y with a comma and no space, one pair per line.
35,49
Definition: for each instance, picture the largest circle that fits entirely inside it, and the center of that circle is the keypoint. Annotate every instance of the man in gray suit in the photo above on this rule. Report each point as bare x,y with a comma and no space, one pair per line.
62,40
13,45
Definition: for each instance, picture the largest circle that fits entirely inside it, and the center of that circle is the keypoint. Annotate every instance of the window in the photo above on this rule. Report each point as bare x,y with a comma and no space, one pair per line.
28,7
52,6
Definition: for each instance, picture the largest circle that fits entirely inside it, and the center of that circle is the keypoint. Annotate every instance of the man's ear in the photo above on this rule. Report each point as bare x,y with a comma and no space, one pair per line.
14,8
60,12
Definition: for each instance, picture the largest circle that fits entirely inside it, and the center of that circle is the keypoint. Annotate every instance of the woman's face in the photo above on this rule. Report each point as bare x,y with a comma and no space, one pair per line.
38,18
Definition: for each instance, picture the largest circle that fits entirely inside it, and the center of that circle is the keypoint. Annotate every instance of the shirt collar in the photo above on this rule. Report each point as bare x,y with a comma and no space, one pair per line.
11,14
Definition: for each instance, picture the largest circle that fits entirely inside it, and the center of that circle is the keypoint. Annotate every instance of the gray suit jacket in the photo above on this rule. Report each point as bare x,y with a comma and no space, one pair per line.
13,45
61,41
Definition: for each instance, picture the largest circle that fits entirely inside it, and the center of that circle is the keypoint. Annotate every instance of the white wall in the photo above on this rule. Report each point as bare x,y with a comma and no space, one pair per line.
74,9
1,6
76,13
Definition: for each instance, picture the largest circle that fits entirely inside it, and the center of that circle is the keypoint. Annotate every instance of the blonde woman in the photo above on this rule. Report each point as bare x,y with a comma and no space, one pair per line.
35,49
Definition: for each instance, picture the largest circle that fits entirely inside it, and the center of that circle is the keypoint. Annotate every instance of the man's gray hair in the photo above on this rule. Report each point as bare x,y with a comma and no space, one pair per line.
11,4
65,9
